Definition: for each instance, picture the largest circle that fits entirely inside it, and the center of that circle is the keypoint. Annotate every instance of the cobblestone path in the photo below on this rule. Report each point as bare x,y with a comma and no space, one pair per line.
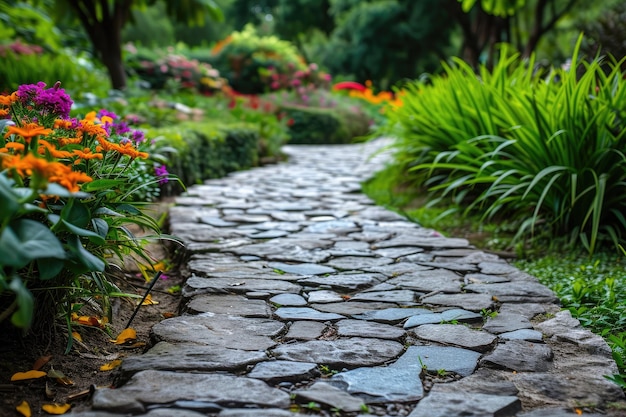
303,297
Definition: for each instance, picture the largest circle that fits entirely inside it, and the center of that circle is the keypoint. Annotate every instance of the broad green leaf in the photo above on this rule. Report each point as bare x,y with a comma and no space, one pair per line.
26,240
101,184
49,267
86,258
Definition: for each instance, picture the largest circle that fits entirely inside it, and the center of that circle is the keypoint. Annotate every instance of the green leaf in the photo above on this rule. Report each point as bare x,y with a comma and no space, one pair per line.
25,240
100,226
23,317
93,236
49,267
101,184
86,258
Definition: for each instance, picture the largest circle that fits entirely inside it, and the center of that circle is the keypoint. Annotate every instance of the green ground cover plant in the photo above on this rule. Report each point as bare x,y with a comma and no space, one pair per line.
543,148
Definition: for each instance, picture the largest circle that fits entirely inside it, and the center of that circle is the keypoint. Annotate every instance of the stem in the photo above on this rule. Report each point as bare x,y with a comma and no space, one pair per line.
154,280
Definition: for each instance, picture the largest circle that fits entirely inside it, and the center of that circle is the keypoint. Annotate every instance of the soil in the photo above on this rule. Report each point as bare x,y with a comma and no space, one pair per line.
81,365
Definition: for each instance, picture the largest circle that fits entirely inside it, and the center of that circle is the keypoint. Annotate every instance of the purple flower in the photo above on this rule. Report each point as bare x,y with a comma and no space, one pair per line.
138,136
121,128
161,172
53,100
105,112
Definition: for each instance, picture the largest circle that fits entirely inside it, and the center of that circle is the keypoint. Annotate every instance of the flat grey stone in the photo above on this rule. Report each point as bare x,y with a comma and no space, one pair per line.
286,250
452,266
247,218
222,330
191,357
333,226
485,279
370,236
515,292
391,315
324,393
528,310
496,268
456,334
305,313
520,355
288,217
348,282
355,263
395,269
424,242
349,353
161,387
217,222
397,252
289,300
405,297
268,234
467,301
523,334
482,380
229,304
279,371
349,308
305,330
382,384
430,280
445,316
506,322
435,358
361,328
197,285
564,328
324,296
302,269
354,245
449,404
265,412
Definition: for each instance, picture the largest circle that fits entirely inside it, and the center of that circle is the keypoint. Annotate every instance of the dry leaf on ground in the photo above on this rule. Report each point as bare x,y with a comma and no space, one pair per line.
21,376
56,409
111,365
127,335
39,363
24,409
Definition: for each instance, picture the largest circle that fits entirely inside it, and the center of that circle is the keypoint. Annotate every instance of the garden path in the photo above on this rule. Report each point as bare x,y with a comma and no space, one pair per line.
304,297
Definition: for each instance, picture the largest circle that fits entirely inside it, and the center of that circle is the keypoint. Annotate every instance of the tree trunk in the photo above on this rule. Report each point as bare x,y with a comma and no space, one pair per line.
104,28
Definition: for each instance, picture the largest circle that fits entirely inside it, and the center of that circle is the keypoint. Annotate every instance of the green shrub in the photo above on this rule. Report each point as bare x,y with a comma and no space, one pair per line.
545,150
207,150
315,125
77,74
244,58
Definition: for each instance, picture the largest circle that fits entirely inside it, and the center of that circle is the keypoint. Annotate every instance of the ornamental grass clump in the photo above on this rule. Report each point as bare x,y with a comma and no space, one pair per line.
544,149
66,195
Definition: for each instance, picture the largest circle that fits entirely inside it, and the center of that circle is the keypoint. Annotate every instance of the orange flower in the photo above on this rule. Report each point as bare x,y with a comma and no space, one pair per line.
29,164
28,131
86,154
67,141
128,149
3,113
44,146
70,180
16,146
62,124
7,100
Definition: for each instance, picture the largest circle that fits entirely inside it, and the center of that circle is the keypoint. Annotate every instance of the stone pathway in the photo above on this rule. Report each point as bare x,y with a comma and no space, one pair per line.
305,298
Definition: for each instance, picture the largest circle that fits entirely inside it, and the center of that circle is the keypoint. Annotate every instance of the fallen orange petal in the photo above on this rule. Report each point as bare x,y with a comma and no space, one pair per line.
579,411
56,409
77,336
39,363
21,376
149,301
111,365
24,409
126,335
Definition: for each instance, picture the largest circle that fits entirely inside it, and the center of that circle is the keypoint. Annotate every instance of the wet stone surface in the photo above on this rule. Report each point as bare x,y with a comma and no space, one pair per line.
303,297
